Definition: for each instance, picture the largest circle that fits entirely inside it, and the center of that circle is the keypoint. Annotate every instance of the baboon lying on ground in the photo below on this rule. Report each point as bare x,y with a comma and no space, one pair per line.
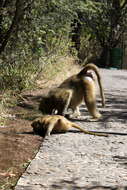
46,124
71,93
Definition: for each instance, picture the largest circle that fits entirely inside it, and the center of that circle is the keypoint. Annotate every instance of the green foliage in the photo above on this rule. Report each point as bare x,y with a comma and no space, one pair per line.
35,33
39,37
17,76
103,23
105,20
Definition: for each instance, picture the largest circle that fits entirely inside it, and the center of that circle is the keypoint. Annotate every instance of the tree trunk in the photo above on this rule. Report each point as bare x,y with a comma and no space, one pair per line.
17,15
76,34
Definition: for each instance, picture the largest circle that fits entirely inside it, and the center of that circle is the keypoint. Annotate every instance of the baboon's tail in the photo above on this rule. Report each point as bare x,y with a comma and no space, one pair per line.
88,132
93,67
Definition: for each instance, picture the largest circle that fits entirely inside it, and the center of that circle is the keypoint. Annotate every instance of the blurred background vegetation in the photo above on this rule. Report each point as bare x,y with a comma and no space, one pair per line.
36,33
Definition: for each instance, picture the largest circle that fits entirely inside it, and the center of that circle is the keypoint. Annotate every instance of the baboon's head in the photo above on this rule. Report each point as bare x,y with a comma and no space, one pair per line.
35,123
38,127
46,105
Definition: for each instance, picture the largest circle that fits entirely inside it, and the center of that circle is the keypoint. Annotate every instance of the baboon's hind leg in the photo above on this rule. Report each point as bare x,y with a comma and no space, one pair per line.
75,113
91,106
90,101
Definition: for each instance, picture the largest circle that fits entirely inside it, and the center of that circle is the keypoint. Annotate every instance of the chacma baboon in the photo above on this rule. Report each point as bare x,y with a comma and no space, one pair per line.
46,124
71,93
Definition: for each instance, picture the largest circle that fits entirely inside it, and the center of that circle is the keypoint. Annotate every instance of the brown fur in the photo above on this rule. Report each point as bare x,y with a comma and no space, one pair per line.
56,123
72,92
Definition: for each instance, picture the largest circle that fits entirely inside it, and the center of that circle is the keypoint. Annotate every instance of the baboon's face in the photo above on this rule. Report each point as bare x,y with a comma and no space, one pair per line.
35,124
38,127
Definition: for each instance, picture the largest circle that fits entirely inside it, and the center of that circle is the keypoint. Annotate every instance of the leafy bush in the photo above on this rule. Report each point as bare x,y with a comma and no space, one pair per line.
35,34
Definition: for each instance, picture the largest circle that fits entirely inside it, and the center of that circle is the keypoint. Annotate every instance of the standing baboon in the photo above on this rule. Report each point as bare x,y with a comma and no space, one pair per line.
71,93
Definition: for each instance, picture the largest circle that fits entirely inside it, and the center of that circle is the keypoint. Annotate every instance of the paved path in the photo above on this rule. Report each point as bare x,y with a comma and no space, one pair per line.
74,161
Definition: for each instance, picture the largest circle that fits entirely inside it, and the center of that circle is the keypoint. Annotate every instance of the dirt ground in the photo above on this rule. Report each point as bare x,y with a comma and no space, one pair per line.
18,144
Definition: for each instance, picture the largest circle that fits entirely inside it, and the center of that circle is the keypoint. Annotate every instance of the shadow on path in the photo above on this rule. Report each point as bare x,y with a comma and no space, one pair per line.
116,107
72,184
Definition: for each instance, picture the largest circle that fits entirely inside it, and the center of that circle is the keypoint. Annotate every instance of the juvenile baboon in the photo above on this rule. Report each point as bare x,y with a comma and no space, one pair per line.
71,93
46,124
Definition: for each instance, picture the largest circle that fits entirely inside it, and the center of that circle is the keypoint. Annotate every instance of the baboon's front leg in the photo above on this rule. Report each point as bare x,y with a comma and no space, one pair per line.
67,102
49,129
